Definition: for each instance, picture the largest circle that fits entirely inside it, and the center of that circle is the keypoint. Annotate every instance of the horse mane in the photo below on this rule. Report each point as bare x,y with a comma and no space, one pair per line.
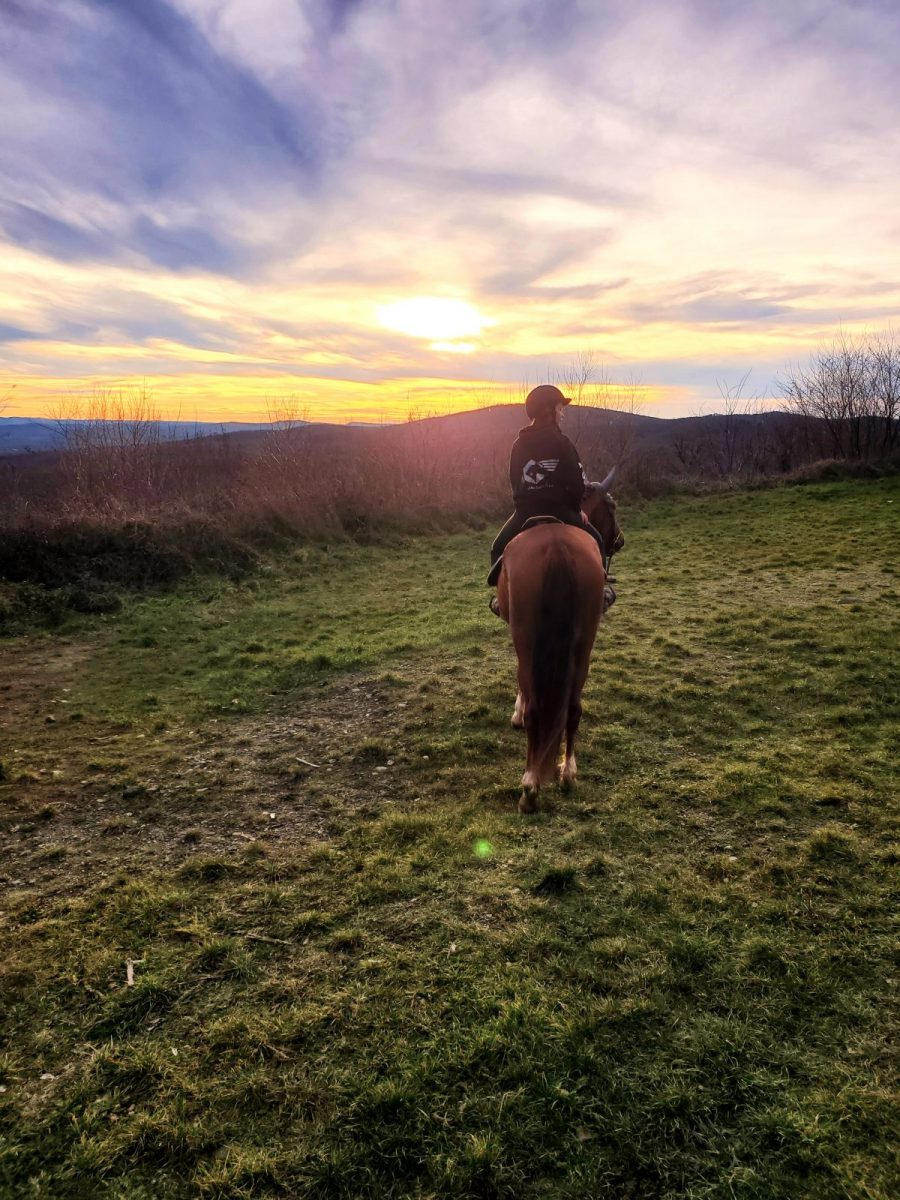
553,660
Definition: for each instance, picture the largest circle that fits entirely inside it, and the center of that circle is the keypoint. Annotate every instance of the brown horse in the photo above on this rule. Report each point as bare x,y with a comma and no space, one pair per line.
551,591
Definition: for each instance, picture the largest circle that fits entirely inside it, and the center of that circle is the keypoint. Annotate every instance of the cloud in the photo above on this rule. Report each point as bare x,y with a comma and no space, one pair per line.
254,178
711,310
12,333
143,139
182,246
35,230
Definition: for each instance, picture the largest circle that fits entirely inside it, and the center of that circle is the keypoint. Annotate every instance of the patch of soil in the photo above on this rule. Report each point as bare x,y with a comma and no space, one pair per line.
117,798
26,684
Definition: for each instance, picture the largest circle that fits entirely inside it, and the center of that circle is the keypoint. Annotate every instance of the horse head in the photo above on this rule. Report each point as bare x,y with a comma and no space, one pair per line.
600,510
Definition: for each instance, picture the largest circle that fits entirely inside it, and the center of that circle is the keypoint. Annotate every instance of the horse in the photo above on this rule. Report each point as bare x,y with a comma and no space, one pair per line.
551,593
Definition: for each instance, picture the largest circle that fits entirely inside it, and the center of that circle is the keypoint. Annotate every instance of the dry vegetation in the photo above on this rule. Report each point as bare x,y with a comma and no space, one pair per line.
122,507
319,479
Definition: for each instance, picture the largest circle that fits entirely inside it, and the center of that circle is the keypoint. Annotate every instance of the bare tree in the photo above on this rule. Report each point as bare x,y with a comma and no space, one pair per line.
284,438
581,375
112,441
605,416
735,444
884,367
853,386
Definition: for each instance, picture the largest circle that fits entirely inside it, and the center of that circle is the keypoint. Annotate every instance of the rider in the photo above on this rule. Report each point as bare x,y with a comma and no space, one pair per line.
546,475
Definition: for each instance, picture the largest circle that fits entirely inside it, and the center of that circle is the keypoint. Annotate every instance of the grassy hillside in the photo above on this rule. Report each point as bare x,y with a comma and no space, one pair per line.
285,807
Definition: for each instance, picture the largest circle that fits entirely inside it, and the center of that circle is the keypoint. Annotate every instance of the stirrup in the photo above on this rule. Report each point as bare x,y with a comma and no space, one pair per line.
494,606
609,597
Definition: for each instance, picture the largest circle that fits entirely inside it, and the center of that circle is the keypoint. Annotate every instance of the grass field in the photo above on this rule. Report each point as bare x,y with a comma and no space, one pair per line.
286,807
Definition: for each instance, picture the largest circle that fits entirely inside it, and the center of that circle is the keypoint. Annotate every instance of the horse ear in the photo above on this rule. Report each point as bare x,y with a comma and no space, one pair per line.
607,483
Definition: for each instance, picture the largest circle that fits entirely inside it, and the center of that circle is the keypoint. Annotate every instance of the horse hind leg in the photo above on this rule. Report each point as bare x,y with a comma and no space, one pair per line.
530,788
568,769
531,780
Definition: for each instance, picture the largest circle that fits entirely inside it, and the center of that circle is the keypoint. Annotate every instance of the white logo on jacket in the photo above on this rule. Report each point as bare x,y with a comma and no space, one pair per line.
534,473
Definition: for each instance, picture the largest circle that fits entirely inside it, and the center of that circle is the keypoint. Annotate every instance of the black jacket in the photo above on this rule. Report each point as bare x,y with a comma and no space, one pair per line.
545,471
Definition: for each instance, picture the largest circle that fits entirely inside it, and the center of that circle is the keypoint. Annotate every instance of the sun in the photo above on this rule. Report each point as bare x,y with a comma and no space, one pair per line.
435,319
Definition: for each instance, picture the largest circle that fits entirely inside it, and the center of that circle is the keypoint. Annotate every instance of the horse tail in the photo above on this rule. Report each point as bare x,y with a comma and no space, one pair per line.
553,662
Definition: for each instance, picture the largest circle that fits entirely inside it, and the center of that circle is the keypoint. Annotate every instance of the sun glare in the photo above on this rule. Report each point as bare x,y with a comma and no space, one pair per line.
433,318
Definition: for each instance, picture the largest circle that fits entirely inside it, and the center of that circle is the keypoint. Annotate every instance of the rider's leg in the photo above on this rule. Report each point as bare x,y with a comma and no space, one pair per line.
501,541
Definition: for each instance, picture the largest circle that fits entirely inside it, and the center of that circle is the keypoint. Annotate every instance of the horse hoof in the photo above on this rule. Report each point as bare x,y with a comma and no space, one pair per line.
565,773
528,800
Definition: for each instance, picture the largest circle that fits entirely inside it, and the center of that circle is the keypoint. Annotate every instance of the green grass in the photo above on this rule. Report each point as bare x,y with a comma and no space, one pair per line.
359,972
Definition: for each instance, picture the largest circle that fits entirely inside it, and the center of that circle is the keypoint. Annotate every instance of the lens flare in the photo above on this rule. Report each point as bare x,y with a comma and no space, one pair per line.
483,848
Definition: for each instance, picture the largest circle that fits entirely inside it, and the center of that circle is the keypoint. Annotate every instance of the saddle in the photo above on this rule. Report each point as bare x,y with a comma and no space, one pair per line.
545,519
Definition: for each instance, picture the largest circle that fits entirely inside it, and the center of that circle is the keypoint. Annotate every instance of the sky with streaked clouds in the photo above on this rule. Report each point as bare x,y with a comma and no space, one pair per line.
367,207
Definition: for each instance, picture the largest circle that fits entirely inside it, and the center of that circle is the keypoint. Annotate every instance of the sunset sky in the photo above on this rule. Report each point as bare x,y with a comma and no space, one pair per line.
367,207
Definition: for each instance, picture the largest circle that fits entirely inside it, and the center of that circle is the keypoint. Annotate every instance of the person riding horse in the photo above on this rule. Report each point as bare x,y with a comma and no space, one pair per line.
547,480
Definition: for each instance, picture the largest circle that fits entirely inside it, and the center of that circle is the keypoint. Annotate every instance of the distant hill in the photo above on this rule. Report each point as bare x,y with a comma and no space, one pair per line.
498,423
22,435
647,449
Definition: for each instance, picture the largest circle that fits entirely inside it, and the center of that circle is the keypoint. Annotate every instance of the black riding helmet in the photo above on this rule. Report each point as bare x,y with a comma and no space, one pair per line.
543,399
